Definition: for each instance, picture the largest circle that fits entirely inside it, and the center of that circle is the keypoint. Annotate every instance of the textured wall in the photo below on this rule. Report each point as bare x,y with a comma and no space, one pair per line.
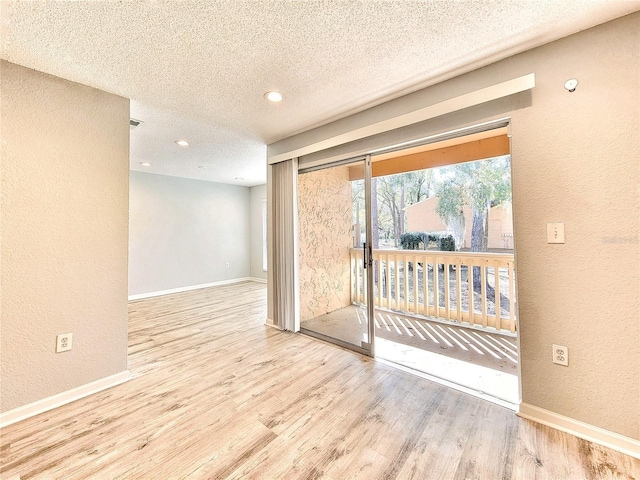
325,215
183,232
574,160
258,194
65,162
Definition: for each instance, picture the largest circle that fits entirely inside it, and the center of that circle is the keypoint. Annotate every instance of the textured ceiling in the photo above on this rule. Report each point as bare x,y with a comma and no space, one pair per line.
198,69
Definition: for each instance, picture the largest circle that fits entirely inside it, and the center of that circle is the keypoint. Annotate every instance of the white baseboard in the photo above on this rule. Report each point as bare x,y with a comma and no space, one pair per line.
140,296
62,398
259,280
615,441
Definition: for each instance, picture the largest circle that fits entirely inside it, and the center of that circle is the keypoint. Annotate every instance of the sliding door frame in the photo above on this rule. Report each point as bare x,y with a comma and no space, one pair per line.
365,348
368,258
369,349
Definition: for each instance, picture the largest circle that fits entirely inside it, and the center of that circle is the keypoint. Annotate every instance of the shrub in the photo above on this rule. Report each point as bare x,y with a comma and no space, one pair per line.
421,240
447,244
411,240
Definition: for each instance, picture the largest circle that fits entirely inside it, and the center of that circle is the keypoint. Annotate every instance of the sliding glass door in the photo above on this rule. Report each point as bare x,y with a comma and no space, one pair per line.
335,260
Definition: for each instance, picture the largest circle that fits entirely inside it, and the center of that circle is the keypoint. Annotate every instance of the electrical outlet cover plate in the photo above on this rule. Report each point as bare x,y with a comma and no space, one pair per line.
560,355
64,342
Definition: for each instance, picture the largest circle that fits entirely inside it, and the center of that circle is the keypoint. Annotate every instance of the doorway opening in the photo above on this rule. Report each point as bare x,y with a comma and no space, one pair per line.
439,230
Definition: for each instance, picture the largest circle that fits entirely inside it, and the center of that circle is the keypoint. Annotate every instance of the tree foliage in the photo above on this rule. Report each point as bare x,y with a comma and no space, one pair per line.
480,185
451,200
395,192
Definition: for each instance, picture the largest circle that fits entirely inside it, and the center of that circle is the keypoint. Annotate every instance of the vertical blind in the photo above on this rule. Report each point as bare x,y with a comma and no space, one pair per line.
285,239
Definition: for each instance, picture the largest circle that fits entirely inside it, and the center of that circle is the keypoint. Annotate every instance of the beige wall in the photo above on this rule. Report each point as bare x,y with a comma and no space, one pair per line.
65,168
325,215
422,217
574,160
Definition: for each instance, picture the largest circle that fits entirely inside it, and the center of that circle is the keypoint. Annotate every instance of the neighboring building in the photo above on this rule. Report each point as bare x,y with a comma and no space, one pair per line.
422,217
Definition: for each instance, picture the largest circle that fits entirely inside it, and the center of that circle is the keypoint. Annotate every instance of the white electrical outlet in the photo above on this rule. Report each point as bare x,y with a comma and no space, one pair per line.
561,355
226,265
64,342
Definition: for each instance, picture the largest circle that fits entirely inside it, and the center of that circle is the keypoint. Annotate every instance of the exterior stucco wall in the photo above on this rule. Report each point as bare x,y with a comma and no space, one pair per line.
325,215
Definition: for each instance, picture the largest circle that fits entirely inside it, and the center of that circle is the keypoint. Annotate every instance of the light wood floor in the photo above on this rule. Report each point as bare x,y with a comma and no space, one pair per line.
217,394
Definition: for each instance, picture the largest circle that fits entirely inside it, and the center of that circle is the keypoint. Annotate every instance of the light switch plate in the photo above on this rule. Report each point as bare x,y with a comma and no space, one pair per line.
555,232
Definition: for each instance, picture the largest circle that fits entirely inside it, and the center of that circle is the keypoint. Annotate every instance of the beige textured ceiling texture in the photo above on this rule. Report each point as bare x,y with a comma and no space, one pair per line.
198,70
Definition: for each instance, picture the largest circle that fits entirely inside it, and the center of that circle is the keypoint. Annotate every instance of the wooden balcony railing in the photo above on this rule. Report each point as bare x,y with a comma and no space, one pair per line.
441,285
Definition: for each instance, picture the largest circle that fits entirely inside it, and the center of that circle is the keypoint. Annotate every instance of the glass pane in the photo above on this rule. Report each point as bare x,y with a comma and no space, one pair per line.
332,221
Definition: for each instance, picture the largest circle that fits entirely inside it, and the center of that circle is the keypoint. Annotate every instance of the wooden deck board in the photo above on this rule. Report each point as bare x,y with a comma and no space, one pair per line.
216,394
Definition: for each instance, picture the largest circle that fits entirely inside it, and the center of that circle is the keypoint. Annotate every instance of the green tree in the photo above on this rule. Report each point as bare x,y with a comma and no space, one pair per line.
359,213
480,185
451,200
397,191
375,218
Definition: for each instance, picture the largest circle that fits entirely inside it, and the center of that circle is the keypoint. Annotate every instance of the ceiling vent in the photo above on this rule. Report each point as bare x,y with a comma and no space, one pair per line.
133,123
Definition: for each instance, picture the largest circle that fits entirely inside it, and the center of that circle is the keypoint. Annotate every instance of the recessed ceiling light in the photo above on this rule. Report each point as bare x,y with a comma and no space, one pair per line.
274,97
239,178
145,164
182,143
